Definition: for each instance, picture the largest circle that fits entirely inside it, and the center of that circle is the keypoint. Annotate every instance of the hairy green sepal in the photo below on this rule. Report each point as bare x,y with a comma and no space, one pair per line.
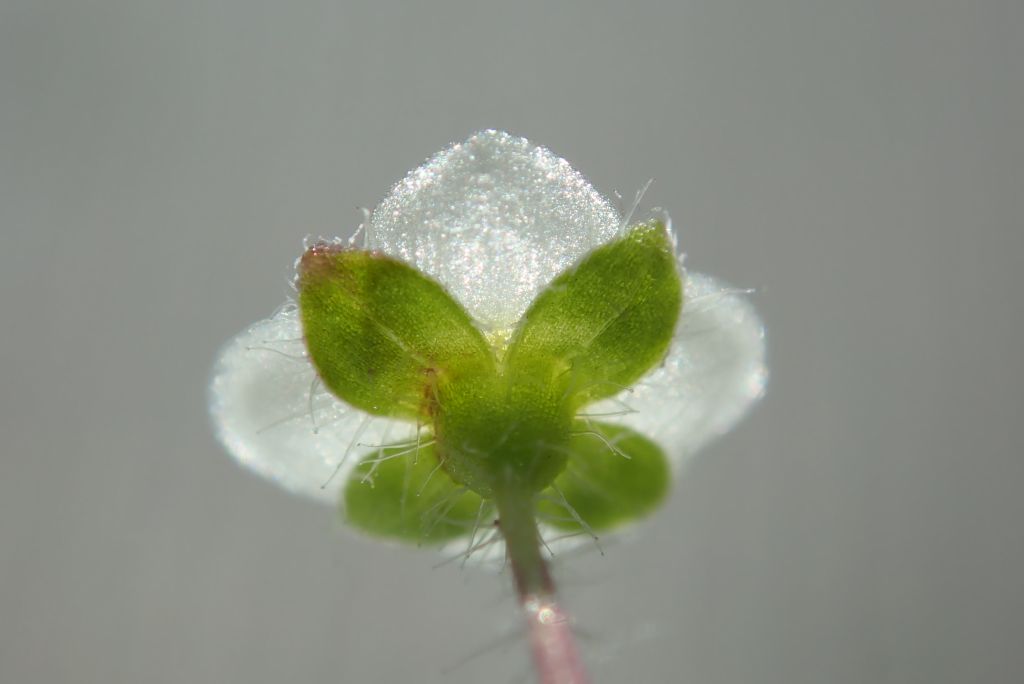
408,499
602,325
389,340
614,476
381,334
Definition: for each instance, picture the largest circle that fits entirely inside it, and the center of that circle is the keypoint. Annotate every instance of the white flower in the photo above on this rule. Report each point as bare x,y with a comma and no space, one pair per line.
493,219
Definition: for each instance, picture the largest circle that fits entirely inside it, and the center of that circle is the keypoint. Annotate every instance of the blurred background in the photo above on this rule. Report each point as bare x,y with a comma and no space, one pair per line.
861,164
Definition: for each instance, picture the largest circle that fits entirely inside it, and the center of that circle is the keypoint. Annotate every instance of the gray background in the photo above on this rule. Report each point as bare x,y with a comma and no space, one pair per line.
860,163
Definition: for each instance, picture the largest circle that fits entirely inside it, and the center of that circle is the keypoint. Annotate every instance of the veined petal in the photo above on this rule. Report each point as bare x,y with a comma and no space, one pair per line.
713,372
276,418
493,219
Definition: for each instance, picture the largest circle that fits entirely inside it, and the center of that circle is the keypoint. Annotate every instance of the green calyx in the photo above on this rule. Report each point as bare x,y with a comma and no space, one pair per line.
498,421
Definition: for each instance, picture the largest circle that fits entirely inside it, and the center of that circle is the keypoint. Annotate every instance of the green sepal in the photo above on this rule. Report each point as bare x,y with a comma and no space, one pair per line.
400,493
382,335
599,327
499,432
613,476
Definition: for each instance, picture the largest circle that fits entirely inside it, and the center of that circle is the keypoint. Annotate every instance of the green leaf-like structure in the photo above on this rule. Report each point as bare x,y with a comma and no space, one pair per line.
602,325
398,493
380,333
613,476
500,421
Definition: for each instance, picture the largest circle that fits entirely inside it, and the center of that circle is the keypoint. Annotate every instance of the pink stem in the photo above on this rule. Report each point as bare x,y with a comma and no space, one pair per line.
548,626
551,639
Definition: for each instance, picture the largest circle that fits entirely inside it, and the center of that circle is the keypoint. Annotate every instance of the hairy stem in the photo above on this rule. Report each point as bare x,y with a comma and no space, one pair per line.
549,627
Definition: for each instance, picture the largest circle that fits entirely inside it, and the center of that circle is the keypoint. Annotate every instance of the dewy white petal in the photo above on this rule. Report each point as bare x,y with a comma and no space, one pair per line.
493,219
275,418
713,373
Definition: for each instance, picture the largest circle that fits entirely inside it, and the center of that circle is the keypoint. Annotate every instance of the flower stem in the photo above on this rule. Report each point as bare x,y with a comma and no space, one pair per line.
549,627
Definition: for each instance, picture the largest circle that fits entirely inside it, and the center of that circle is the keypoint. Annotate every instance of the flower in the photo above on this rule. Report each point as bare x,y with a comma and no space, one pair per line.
494,220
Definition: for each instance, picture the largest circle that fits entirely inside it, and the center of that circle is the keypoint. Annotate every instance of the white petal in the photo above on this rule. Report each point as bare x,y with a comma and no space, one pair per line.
271,414
713,373
493,219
